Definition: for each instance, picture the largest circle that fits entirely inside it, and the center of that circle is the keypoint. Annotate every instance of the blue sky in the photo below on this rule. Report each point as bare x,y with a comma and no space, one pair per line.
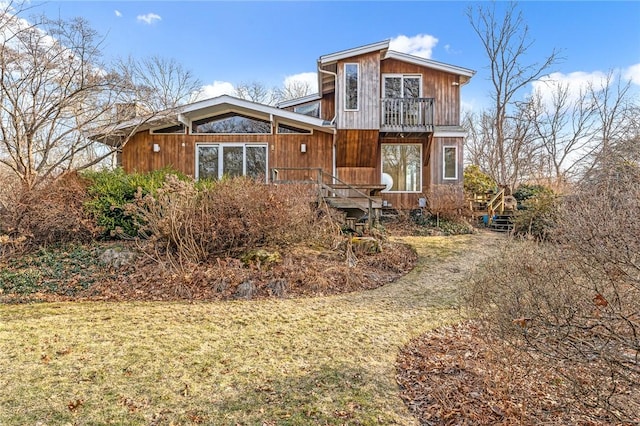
226,43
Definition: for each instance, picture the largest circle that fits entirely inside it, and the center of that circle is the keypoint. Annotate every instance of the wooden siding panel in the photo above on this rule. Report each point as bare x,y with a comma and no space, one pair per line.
178,151
435,84
437,174
368,114
357,148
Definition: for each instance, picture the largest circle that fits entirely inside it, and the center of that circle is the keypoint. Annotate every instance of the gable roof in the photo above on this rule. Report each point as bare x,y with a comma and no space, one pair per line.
430,63
219,105
356,51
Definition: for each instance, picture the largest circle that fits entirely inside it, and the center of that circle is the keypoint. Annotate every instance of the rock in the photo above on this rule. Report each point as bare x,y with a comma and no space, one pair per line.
117,257
246,290
261,257
367,245
278,288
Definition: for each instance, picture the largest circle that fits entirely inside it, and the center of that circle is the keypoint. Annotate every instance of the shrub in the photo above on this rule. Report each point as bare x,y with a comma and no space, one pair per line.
51,213
575,302
192,223
537,211
446,202
111,190
477,182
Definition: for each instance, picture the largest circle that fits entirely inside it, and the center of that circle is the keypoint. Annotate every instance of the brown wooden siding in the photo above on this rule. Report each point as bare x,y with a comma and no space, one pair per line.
437,174
435,84
328,106
368,114
357,148
178,151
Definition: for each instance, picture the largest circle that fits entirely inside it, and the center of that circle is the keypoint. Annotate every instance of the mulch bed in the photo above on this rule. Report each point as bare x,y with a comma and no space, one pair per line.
457,376
300,272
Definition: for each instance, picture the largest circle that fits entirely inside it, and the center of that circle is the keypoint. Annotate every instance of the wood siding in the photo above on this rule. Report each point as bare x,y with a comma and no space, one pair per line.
357,148
437,172
435,84
179,151
368,114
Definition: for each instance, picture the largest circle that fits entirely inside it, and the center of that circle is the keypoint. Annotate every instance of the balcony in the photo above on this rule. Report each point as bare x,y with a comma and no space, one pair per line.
406,115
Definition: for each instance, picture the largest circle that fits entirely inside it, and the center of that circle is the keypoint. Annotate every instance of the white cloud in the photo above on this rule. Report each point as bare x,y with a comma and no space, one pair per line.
419,45
576,82
149,18
117,13
633,73
217,88
306,78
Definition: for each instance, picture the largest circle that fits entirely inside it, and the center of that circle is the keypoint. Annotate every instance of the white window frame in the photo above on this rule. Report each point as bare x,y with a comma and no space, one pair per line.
279,123
444,162
221,147
344,88
420,166
191,128
401,76
307,104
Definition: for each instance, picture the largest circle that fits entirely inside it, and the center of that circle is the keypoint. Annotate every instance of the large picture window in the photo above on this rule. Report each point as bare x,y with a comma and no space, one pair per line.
351,86
403,163
450,162
215,161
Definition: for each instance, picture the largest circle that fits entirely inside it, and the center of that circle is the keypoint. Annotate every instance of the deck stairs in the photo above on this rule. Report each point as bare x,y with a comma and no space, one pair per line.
495,210
361,203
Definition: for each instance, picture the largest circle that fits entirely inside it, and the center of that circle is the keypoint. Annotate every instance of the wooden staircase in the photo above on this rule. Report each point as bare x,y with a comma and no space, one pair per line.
357,201
497,216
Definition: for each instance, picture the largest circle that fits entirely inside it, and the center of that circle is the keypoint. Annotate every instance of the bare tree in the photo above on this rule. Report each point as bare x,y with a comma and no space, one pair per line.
52,85
256,92
564,129
157,83
506,42
293,89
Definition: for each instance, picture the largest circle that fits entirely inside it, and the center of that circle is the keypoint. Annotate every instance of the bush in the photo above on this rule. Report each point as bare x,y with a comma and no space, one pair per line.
52,213
575,303
191,223
446,202
477,182
111,190
537,211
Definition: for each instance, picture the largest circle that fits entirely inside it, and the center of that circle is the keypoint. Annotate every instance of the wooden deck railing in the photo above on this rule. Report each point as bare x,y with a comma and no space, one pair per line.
495,205
406,114
328,185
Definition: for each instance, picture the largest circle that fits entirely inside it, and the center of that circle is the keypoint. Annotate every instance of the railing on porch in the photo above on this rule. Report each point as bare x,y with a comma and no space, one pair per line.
406,114
327,185
495,205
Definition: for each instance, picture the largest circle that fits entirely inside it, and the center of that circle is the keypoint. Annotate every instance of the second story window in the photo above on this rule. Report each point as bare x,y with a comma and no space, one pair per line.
351,86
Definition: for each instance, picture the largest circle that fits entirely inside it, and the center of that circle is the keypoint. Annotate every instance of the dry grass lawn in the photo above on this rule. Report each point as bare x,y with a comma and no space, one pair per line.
328,360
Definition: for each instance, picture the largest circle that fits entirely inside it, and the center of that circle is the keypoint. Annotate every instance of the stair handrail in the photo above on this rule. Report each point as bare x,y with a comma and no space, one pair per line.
322,186
495,205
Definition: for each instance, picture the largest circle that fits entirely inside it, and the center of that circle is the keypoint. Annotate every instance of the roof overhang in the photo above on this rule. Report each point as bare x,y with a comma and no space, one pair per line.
464,73
356,51
449,132
299,101
185,114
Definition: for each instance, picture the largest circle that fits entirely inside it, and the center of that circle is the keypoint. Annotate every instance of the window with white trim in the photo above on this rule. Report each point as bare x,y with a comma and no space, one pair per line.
351,86
213,161
403,164
450,162
312,109
231,123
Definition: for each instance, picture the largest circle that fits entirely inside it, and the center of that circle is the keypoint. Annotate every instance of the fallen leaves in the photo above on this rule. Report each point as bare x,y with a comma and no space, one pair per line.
453,376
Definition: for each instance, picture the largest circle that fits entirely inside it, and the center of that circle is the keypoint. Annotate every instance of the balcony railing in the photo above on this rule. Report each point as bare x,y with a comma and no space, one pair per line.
406,114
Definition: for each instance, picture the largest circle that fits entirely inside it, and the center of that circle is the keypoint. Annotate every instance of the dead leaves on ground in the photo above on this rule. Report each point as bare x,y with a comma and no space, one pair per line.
452,376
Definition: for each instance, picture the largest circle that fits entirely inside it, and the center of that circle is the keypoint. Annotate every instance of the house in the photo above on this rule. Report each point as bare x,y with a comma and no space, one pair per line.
383,122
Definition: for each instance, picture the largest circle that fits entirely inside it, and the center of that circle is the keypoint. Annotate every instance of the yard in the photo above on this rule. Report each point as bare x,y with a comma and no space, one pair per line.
326,360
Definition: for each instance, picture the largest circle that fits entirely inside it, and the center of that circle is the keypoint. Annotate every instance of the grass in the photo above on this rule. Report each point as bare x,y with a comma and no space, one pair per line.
303,361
